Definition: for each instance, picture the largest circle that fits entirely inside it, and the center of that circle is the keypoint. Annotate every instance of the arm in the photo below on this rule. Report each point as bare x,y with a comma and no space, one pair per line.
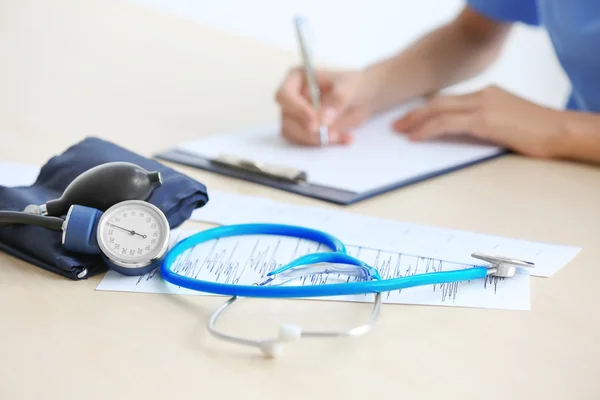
498,116
580,137
456,51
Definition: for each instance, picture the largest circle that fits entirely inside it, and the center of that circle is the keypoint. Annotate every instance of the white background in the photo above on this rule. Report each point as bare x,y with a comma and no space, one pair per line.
353,34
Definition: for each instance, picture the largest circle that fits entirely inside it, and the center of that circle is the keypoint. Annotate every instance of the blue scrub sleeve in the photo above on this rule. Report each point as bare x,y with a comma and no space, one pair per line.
524,11
177,197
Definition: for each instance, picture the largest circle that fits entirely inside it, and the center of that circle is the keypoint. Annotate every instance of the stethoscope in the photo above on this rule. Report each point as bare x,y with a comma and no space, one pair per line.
104,211
336,262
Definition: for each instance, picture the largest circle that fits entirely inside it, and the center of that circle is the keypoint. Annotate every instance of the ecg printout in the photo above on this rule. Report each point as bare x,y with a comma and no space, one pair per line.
396,248
247,259
362,230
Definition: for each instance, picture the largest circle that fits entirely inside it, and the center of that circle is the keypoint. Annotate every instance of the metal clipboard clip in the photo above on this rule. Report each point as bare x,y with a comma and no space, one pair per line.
277,172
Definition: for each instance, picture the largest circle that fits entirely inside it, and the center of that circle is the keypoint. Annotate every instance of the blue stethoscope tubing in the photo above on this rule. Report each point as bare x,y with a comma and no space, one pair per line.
337,255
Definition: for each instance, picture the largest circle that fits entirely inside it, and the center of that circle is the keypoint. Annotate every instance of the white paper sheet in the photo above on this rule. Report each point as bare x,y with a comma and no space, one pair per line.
378,156
246,260
17,174
361,230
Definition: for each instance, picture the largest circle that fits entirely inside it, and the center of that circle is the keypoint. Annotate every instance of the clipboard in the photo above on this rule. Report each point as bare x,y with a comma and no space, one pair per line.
293,180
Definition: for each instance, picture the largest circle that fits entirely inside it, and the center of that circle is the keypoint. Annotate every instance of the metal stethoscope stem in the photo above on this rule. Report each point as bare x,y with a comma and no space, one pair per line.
288,332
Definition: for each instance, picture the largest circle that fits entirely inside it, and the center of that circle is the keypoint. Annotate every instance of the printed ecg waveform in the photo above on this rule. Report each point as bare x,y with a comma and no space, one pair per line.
247,259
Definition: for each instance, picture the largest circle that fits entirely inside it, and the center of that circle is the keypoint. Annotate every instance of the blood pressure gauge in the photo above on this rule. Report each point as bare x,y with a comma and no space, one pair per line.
133,236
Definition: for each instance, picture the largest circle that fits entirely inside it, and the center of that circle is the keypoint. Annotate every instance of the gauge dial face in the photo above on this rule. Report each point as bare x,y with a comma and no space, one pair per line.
133,233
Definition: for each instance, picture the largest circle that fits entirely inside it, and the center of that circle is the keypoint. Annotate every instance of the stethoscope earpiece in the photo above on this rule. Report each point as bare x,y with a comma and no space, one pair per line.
272,348
290,332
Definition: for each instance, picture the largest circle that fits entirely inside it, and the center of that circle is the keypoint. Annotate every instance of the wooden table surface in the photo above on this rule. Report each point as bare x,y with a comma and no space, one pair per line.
145,81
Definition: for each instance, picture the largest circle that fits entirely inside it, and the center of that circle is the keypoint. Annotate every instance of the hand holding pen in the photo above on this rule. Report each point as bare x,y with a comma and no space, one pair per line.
319,107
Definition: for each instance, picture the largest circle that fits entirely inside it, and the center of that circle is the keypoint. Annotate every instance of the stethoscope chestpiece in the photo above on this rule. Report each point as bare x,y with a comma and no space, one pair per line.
504,267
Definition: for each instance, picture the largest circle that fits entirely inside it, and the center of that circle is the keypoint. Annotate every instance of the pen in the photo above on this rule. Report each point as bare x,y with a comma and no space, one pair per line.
311,79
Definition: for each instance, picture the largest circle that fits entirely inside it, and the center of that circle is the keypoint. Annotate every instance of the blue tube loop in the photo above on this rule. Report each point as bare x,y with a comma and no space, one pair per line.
261,229
373,284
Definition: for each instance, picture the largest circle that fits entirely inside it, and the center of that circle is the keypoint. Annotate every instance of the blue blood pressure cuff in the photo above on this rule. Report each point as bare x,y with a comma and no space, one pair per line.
177,197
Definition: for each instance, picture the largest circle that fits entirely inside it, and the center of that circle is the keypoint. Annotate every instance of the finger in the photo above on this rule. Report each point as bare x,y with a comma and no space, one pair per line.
341,96
299,134
444,124
292,101
339,127
296,132
337,98
437,105
339,137
351,118
342,138
325,79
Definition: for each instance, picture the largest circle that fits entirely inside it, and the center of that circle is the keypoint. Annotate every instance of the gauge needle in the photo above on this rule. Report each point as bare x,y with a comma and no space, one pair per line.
127,230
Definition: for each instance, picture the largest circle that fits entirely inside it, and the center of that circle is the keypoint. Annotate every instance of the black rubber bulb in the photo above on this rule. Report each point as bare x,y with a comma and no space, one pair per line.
105,185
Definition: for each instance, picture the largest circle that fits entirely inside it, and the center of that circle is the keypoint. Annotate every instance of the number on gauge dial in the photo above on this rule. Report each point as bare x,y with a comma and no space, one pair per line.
132,232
